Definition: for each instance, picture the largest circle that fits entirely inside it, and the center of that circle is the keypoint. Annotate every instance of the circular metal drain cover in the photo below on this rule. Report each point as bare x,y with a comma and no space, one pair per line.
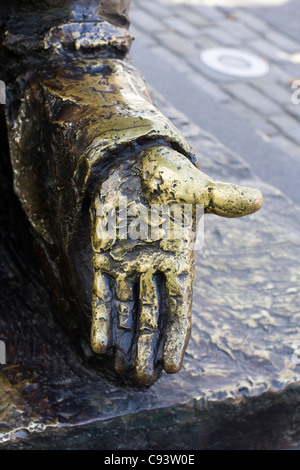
234,62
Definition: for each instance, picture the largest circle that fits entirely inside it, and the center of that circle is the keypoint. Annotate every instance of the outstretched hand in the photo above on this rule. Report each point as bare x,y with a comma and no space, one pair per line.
143,266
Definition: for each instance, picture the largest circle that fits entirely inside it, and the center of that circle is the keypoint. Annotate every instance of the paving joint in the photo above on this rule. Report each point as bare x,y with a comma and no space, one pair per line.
178,33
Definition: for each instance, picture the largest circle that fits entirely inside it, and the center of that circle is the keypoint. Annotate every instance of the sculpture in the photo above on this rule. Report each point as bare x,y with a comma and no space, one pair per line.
84,135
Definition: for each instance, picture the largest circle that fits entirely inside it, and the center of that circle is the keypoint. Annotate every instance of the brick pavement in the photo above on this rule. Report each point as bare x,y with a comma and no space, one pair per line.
179,30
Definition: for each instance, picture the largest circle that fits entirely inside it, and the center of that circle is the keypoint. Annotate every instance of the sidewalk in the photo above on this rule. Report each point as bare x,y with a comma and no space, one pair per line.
170,34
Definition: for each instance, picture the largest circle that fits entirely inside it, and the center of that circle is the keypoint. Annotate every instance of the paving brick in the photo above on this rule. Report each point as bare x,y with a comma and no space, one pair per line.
144,39
191,16
237,29
282,41
155,9
212,14
250,20
178,32
204,42
277,92
286,145
253,98
223,38
177,62
195,62
280,74
293,69
181,26
167,3
177,43
209,87
146,22
258,122
288,125
294,109
266,49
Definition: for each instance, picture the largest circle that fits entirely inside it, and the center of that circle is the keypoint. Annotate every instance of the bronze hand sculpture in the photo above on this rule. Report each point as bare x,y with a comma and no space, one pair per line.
84,135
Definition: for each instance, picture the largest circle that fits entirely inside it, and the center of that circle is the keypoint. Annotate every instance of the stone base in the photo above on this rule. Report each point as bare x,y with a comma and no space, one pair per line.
239,387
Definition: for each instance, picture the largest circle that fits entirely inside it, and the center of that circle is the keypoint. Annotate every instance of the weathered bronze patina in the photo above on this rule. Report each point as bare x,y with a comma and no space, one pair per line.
84,134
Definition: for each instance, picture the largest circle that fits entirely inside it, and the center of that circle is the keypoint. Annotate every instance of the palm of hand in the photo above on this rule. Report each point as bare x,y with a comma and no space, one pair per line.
143,273
142,294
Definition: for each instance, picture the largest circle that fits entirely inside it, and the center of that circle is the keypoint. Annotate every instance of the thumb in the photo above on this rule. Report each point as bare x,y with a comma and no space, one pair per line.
169,177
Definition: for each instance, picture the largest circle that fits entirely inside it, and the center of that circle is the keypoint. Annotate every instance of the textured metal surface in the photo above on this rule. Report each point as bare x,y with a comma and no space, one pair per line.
55,393
238,387
80,119
143,272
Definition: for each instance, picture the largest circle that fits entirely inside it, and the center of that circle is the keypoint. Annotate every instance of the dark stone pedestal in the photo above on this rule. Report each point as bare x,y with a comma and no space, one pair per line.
239,387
